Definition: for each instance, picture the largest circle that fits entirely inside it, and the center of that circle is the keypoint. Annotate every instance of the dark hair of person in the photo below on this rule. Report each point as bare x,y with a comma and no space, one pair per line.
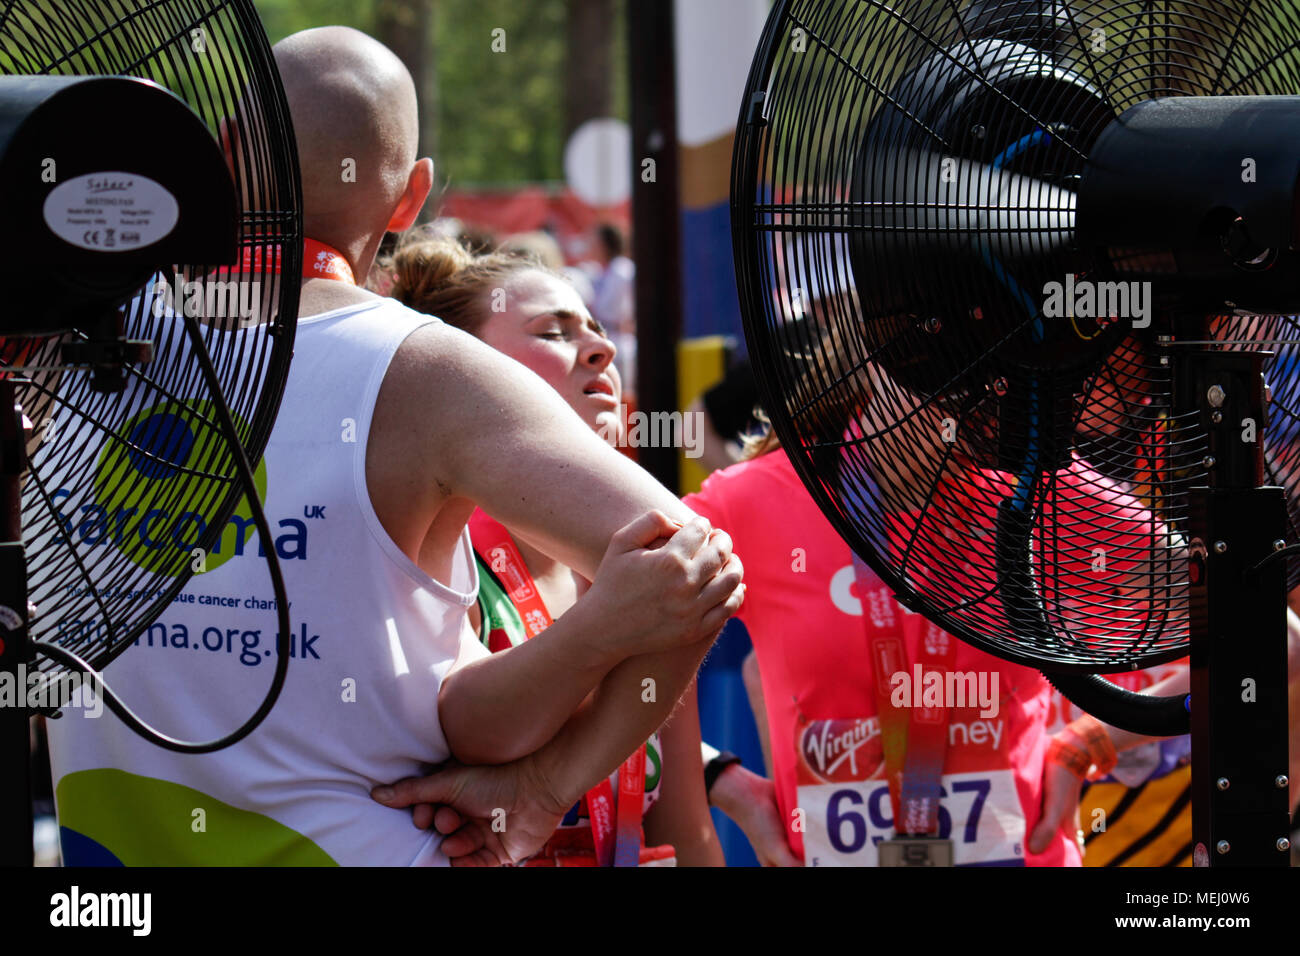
611,238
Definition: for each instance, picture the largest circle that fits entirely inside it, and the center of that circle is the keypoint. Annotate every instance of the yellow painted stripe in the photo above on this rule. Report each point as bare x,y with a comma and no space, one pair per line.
701,363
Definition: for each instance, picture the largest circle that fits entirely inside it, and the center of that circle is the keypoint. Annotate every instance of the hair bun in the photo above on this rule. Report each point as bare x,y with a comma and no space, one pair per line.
420,268
440,277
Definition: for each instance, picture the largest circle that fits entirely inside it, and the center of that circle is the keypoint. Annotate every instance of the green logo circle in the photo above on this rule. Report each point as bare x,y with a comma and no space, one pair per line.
158,487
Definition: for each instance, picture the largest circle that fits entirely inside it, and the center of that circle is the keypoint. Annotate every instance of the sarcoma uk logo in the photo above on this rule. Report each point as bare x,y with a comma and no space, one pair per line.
157,488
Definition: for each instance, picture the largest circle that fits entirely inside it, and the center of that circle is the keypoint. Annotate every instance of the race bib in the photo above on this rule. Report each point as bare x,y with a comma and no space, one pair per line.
847,812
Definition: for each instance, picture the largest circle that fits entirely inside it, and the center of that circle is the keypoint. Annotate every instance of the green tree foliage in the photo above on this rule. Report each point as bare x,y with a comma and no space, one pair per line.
500,112
499,116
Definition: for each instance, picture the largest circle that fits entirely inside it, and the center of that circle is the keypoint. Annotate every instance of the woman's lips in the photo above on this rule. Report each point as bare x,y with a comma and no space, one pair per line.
601,389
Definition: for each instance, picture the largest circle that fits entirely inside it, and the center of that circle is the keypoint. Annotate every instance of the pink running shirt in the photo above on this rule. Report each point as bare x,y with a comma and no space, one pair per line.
805,619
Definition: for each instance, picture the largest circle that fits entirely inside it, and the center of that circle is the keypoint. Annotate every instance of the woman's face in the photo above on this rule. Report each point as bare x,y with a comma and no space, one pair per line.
546,326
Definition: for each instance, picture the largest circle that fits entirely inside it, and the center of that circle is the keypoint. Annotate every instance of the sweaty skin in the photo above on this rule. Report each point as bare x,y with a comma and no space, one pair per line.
543,472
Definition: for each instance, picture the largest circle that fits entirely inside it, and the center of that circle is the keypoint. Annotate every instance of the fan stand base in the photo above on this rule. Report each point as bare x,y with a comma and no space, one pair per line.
15,650
1237,620
1240,807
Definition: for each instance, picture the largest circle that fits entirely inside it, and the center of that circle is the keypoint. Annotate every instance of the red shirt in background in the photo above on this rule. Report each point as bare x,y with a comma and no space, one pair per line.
804,616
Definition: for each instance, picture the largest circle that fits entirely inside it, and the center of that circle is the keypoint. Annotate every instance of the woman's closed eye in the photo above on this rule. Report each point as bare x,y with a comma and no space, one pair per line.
567,325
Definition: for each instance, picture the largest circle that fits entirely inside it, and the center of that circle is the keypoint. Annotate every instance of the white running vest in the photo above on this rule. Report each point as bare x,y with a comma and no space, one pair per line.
373,636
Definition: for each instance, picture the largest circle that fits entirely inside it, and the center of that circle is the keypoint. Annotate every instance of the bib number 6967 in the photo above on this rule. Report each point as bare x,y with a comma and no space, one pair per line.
848,829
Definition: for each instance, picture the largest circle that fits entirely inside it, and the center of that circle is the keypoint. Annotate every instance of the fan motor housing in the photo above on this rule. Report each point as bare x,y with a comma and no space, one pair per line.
108,180
968,164
952,179
1199,195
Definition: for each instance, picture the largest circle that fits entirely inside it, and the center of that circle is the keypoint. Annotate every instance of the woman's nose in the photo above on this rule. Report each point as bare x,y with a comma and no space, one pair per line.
599,351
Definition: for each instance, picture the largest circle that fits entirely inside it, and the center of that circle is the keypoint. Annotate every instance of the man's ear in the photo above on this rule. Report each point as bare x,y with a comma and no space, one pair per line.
418,186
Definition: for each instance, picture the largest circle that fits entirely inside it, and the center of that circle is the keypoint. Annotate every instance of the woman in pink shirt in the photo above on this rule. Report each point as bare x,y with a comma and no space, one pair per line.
805,614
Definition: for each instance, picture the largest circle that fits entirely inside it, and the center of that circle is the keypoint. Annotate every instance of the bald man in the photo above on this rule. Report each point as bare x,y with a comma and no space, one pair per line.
393,428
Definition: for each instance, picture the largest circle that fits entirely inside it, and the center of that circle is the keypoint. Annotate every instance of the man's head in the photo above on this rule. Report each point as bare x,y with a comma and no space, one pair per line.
354,114
609,242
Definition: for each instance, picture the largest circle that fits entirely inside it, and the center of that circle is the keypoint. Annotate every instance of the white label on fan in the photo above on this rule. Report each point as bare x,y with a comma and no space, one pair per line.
110,211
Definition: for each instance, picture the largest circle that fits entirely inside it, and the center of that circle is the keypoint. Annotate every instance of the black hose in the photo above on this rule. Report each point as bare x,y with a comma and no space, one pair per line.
1137,713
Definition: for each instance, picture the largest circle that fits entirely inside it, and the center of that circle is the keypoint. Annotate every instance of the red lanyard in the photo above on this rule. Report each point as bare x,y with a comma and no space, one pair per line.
319,261
914,739
494,544
615,829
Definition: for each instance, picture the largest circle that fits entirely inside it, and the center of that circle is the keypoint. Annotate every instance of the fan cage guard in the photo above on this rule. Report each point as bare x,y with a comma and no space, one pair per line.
898,334
100,570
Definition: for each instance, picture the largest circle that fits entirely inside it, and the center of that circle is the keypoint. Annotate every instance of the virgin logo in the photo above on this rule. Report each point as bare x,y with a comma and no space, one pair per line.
835,751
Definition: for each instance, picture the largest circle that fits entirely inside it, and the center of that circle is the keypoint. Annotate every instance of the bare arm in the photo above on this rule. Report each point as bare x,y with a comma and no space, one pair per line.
681,817
504,440
457,424
544,679
630,704
535,792
643,599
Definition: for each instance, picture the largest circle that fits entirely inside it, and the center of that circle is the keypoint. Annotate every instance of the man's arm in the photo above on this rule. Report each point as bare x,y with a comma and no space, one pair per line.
529,796
457,423
546,678
629,705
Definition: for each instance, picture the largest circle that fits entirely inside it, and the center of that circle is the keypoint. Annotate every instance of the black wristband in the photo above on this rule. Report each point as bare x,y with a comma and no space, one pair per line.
713,769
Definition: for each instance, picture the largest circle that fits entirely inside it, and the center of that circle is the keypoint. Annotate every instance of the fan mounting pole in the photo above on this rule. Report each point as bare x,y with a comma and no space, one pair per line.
15,651
1238,622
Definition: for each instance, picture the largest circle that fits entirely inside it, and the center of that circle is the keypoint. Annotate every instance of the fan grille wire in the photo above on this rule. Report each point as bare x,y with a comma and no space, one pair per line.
99,572
880,314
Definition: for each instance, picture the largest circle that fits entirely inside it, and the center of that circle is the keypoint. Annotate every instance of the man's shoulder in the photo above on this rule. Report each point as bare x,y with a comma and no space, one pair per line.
433,341
349,300
385,323
439,365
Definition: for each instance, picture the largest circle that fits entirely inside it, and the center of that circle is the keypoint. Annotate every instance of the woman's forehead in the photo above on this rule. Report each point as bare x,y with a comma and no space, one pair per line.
536,292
